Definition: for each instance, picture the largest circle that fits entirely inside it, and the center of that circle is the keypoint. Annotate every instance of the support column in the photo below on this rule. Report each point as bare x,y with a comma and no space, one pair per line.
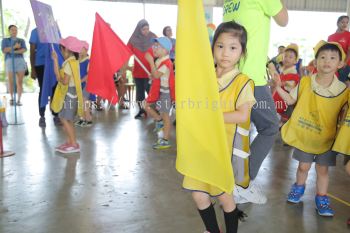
2,20
144,9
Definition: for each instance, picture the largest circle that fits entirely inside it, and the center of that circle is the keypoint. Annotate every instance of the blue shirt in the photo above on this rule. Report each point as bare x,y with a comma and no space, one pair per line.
172,51
84,71
10,42
40,48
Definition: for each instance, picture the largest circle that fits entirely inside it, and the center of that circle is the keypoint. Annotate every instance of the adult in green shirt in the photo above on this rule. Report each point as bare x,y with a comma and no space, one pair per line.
255,16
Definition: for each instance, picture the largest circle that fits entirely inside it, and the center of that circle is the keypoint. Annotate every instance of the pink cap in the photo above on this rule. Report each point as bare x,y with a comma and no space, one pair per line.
85,44
72,43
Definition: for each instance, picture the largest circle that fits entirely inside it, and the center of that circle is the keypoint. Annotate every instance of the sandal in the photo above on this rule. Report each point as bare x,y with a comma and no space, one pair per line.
11,102
19,103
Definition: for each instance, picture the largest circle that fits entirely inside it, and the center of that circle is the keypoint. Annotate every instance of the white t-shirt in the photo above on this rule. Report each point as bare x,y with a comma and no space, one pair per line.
164,79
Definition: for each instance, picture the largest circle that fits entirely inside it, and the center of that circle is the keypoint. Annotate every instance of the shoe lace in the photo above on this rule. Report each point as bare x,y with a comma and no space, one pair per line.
296,191
256,188
324,203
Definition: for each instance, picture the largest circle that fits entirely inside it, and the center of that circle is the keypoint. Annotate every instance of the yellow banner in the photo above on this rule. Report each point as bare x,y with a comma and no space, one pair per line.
202,150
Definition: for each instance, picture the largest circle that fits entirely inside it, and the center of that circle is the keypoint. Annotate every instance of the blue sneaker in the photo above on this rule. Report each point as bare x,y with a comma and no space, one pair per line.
161,144
158,127
322,206
295,194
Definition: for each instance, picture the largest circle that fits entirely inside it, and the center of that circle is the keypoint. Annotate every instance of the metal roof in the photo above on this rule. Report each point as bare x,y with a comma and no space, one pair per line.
301,5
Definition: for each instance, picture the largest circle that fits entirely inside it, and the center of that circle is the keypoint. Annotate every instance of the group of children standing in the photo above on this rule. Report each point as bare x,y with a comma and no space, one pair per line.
311,126
71,98
312,129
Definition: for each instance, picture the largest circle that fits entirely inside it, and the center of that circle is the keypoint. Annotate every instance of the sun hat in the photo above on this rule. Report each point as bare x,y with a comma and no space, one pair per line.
164,42
72,43
293,47
85,44
322,43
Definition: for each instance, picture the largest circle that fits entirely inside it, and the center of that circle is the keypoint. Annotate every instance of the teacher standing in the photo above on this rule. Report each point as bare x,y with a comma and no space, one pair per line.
140,43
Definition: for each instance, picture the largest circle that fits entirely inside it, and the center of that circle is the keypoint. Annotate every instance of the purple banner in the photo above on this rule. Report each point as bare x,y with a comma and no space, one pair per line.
47,27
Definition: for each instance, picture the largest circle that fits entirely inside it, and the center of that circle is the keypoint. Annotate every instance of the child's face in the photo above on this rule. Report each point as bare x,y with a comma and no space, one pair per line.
289,59
65,53
227,51
328,62
158,50
83,52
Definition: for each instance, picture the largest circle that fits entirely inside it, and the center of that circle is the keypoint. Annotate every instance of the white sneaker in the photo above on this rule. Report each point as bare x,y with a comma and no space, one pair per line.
251,194
238,195
160,134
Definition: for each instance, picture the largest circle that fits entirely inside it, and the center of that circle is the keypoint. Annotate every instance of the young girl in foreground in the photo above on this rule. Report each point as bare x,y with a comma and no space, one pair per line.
236,99
68,98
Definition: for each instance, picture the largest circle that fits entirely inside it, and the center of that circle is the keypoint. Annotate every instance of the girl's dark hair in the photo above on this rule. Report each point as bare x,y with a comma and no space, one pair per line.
11,26
236,30
341,18
76,55
164,30
331,47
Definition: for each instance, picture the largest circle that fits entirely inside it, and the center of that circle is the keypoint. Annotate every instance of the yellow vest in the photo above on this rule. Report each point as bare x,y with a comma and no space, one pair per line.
61,89
237,135
342,142
313,124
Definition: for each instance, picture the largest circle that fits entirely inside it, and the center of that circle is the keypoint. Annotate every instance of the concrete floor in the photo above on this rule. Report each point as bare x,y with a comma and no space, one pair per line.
119,184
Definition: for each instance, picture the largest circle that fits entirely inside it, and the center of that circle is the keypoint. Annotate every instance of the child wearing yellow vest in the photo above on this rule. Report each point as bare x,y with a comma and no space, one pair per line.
342,144
68,98
311,130
236,93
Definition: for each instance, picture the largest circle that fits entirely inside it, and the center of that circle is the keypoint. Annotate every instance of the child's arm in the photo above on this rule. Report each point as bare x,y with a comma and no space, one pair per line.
64,80
55,65
239,116
84,79
289,85
154,72
285,95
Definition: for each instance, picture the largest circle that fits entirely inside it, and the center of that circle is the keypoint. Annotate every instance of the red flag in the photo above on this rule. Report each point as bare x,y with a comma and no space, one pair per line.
108,54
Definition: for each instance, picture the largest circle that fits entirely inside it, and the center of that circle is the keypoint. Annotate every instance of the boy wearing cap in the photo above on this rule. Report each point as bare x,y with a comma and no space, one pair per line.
289,78
311,130
162,93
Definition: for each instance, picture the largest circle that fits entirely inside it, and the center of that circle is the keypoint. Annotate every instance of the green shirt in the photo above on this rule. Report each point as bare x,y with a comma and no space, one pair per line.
255,16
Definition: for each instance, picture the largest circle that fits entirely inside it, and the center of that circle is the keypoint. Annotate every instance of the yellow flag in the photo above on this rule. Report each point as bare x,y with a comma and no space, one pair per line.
202,150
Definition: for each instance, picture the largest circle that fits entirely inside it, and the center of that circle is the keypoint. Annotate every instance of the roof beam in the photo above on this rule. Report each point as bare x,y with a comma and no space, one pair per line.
300,5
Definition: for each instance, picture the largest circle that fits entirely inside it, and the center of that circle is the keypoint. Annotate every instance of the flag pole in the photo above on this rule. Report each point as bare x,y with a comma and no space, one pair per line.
142,65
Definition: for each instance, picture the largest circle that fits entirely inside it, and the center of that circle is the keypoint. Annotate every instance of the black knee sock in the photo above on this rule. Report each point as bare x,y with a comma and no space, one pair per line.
231,220
209,219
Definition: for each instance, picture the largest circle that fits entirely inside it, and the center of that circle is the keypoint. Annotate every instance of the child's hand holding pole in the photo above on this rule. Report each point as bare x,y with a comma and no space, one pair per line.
55,62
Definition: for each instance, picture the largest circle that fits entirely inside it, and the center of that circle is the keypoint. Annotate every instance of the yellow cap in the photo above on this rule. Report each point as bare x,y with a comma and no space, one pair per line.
293,47
322,43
